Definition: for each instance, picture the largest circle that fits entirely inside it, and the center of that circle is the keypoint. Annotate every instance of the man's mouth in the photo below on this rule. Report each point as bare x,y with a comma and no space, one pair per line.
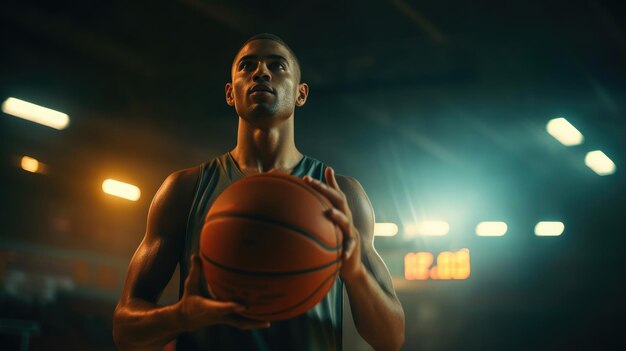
260,89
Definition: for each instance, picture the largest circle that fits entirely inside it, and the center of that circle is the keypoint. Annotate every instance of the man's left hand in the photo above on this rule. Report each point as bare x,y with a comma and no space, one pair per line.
352,267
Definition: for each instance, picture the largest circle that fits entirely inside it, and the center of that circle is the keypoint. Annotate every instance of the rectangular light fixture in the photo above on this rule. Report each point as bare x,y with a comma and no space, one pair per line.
385,229
549,228
599,163
30,164
491,229
121,189
564,132
35,113
427,228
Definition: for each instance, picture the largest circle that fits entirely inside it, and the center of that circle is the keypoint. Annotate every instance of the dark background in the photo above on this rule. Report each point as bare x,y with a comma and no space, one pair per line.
438,108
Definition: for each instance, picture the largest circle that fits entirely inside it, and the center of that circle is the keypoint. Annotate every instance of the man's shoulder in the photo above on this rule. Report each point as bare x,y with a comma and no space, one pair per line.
183,178
178,188
349,185
358,201
353,190
188,177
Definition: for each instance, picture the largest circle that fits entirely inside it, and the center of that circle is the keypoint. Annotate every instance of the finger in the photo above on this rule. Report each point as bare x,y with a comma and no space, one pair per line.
241,322
349,238
323,187
342,220
222,308
329,174
209,291
350,246
335,196
192,283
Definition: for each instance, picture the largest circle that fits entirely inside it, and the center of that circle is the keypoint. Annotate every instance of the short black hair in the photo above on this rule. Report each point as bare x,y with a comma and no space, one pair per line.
276,38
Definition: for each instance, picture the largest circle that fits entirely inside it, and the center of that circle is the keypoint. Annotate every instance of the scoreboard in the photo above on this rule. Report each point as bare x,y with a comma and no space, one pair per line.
446,266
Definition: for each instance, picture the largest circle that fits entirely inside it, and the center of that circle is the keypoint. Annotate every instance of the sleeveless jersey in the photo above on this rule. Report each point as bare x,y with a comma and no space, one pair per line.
318,329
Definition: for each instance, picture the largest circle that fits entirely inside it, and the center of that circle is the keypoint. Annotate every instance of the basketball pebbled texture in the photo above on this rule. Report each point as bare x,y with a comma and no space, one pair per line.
268,244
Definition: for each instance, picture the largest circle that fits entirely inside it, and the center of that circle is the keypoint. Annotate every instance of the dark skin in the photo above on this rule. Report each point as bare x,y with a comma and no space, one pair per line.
265,90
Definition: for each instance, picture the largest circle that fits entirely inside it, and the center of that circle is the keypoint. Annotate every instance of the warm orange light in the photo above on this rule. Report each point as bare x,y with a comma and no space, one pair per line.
450,265
30,164
121,189
444,265
416,265
462,268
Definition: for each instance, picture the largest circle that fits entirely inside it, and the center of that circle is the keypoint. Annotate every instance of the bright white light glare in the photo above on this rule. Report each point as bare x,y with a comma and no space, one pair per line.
427,228
599,163
35,113
30,164
385,229
564,132
121,189
491,229
549,228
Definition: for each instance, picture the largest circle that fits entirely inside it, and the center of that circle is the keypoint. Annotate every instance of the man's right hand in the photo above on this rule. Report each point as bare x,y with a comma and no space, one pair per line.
197,311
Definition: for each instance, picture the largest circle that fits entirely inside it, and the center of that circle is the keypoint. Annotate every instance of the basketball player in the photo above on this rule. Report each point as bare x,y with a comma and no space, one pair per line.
265,89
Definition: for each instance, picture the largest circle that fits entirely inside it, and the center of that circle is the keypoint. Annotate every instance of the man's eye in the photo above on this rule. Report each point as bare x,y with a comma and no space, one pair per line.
246,65
277,65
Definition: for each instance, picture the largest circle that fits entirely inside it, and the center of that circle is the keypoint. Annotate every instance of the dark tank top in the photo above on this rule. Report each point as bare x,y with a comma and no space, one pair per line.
318,329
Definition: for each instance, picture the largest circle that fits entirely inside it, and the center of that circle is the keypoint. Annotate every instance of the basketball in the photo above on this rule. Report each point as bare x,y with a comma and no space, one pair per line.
267,244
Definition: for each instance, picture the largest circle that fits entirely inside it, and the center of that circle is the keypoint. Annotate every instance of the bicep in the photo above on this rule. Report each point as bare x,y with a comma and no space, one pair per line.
363,219
155,259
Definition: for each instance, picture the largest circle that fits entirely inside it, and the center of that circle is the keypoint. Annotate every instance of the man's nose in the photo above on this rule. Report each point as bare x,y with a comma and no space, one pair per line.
261,73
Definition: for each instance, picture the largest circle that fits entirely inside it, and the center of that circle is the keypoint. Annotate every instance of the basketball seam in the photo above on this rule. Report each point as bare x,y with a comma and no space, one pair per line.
278,223
272,274
319,198
312,192
302,301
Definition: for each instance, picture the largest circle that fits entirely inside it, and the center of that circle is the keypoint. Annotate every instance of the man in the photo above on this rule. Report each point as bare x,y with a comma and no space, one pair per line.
265,90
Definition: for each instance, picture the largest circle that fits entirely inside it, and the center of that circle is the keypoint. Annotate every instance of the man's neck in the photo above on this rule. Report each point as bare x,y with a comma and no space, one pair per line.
264,149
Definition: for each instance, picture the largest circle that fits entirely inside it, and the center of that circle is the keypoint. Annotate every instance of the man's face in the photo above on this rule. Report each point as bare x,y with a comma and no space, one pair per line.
265,82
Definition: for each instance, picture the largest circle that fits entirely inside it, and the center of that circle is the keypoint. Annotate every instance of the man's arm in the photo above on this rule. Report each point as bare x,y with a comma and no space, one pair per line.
138,322
377,313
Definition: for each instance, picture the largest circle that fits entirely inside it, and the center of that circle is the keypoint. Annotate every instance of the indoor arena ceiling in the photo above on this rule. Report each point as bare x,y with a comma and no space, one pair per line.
455,85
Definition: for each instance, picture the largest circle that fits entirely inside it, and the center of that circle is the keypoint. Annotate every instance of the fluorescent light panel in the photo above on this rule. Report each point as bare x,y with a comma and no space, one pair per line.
564,132
427,228
385,229
35,113
491,229
121,189
549,228
30,164
600,163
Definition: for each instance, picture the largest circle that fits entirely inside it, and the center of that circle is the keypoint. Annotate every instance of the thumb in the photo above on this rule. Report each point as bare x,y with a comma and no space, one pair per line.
192,283
223,308
348,246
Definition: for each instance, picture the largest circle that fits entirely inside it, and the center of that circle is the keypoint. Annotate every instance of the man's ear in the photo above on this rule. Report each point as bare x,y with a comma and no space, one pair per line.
303,93
228,89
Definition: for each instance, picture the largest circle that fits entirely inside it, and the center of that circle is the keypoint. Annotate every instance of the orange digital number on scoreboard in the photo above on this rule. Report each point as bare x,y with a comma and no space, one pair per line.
449,265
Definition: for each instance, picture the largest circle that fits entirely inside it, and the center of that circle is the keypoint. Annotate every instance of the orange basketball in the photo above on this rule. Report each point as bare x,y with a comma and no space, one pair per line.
268,244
